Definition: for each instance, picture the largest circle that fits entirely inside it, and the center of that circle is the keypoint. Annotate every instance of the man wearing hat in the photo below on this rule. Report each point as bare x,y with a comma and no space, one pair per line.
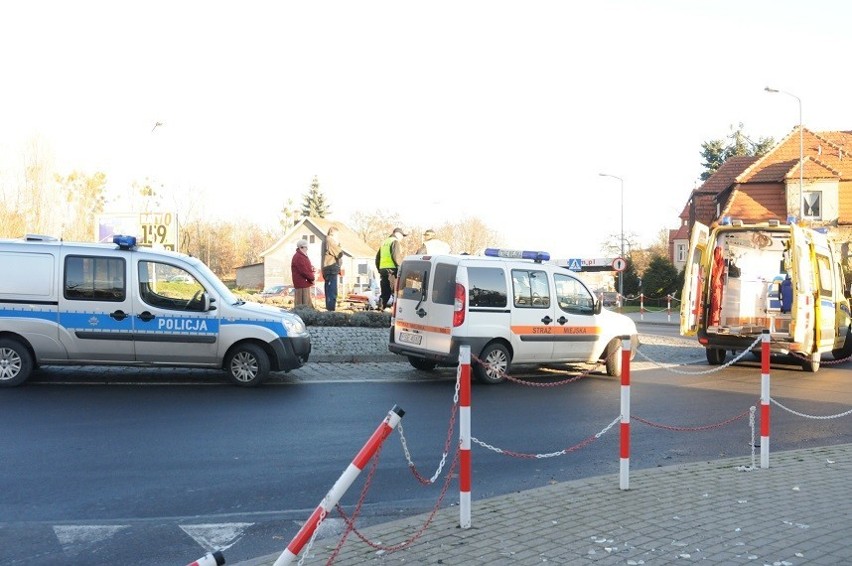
433,245
388,259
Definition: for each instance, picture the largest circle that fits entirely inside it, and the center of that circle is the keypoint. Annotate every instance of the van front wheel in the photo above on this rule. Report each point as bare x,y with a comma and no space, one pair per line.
494,366
16,363
247,365
613,358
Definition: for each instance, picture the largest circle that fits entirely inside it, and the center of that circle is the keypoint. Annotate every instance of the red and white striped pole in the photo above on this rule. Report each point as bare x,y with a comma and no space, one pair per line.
210,559
340,486
669,306
624,471
764,399
641,306
464,437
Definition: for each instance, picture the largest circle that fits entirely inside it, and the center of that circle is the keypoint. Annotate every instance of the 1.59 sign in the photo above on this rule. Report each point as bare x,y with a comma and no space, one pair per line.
158,229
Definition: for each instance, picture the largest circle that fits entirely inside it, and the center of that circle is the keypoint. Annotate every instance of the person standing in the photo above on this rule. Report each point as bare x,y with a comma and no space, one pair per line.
330,264
388,259
433,245
303,275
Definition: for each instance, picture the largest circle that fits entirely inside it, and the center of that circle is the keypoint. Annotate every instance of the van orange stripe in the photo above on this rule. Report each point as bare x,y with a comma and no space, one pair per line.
557,330
400,325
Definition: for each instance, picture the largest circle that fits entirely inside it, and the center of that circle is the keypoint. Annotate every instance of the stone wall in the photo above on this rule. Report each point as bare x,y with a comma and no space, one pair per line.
350,344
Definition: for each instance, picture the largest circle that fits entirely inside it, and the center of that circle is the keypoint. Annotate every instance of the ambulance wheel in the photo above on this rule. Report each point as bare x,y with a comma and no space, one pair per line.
247,365
811,364
846,350
16,363
421,363
715,356
613,358
495,366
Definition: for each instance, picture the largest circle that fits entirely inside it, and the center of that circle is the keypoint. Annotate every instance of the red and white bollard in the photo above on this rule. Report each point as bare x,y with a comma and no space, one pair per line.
340,486
669,306
641,306
624,463
211,559
764,399
464,437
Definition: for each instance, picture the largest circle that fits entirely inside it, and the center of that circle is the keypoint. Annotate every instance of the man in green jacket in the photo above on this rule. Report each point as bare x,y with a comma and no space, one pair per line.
388,259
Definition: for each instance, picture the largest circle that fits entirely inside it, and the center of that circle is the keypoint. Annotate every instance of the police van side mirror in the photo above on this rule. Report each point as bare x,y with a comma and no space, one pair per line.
208,302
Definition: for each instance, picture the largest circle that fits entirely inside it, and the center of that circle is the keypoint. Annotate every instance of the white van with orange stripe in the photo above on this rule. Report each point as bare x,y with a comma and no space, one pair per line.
508,306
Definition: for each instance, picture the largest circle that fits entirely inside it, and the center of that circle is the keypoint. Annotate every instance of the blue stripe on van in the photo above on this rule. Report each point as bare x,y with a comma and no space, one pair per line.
49,315
275,326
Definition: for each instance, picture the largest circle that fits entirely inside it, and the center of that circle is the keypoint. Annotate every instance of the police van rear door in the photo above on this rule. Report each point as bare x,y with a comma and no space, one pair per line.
424,303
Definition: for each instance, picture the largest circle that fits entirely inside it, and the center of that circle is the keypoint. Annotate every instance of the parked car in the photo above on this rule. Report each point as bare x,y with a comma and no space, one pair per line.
277,291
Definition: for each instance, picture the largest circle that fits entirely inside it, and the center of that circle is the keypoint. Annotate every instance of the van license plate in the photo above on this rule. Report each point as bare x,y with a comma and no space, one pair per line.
409,338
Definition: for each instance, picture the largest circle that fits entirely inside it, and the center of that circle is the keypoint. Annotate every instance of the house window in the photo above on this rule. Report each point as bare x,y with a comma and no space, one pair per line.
681,253
812,204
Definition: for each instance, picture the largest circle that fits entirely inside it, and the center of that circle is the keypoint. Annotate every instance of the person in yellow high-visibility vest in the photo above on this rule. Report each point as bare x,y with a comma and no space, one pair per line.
388,259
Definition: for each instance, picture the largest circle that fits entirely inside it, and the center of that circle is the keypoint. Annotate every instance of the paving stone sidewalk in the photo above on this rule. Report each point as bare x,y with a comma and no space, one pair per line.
797,511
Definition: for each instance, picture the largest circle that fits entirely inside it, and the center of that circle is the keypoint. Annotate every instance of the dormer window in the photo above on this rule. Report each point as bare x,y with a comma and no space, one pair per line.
812,205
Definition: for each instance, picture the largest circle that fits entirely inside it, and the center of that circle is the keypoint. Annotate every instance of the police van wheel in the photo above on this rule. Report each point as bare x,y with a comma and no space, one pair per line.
715,356
495,366
247,365
422,364
613,358
16,363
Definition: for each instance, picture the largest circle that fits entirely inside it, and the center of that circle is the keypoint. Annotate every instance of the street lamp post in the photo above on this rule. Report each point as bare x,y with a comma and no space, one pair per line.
801,152
621,276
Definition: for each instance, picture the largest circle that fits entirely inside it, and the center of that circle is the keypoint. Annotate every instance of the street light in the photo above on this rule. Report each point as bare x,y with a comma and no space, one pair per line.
801,152
621,276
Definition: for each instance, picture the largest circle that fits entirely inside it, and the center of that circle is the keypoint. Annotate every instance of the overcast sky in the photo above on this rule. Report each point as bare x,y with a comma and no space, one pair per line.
506,111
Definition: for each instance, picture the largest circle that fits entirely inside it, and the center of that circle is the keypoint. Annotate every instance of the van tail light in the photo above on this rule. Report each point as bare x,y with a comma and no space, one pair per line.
460,305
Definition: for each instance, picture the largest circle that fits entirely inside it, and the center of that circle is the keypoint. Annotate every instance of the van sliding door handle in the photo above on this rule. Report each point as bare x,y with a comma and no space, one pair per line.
146,316
118,315
547,320
562,320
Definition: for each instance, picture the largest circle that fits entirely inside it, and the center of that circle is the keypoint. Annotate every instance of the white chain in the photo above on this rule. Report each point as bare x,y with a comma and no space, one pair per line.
818,417
753,466
404,442
316,531
551,454
737,358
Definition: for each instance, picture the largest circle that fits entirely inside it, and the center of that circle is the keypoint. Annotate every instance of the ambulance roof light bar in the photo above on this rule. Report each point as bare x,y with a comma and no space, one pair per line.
536,256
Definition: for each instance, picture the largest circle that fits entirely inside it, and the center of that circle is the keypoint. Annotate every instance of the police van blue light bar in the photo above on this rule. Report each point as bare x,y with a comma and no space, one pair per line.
517,254
124,242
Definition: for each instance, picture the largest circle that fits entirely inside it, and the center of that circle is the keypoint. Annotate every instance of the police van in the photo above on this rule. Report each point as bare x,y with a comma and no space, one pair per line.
508,306
75,303
741,279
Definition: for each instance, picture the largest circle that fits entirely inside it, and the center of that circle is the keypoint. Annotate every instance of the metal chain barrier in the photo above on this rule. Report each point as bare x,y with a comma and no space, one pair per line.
734,360
693,428
803,357
581,444
350,522
753,465
519,381
450,430
817,417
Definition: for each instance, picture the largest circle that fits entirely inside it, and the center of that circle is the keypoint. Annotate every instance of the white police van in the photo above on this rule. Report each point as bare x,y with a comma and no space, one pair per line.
75,303
508,306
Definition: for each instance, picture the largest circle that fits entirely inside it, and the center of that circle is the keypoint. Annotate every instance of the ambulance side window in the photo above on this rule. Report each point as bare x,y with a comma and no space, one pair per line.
573,296
168,287
826,281
487,287
530,289
95,278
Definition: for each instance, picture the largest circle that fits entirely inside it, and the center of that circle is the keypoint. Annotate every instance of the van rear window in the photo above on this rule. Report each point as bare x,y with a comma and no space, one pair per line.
412,276
444,285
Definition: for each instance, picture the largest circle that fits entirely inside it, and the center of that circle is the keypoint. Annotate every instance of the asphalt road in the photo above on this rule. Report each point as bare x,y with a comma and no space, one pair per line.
99,470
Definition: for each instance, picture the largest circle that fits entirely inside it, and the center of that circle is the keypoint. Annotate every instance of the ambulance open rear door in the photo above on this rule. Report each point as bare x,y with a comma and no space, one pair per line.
694,280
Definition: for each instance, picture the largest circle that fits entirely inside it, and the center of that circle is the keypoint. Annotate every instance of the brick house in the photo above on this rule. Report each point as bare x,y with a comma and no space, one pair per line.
756,189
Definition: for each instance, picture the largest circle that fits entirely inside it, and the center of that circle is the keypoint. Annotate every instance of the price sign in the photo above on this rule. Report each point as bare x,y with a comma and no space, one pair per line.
158,230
